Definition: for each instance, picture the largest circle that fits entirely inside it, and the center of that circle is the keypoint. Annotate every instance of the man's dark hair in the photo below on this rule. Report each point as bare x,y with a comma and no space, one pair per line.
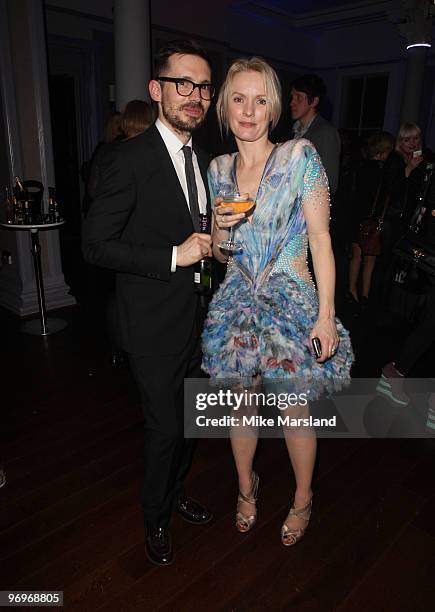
182,47
310,84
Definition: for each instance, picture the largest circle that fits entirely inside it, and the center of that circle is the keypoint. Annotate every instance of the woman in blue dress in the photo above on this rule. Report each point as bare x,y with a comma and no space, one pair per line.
263,317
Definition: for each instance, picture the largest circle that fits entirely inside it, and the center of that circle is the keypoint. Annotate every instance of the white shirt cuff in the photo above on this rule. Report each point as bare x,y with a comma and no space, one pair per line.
174,259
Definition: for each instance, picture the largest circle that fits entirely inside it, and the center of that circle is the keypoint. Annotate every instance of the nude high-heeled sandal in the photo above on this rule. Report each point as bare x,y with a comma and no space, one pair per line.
246,523
291,536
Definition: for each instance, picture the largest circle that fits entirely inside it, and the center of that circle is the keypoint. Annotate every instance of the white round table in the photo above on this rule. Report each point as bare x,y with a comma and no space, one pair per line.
44,325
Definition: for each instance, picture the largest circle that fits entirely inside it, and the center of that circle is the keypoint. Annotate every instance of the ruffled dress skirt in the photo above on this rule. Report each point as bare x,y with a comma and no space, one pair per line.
265,331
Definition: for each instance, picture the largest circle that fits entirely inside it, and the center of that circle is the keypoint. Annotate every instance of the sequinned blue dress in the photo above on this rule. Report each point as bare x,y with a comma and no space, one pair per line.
260,318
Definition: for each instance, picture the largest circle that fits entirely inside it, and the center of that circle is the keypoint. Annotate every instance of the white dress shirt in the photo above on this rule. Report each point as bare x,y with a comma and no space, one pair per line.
175,150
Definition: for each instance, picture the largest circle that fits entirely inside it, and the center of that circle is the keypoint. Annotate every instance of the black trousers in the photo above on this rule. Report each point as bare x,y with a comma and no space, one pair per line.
386,263
167,453
113,323
421,339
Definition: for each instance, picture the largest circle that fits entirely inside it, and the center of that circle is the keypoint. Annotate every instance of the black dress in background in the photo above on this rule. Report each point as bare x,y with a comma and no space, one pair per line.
423,336
404,199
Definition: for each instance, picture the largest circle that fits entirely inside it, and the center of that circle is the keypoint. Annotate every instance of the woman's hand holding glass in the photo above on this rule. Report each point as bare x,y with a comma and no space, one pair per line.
232,209
326,330
224,217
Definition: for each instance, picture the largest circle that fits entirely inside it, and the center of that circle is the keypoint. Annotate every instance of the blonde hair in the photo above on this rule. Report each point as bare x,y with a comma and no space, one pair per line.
271,82
409,128
378,143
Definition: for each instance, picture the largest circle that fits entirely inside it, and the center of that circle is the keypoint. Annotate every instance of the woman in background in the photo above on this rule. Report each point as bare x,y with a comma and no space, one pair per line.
136,118
404,174
405,170
368,206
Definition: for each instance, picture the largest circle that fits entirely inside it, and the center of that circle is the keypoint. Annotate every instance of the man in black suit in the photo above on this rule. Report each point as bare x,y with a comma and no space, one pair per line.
144,224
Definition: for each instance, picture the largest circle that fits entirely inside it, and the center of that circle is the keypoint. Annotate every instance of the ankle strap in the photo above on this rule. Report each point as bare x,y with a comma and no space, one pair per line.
298,512
251,498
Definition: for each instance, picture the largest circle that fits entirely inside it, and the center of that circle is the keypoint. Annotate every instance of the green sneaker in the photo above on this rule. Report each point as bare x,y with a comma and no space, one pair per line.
391,385
430,423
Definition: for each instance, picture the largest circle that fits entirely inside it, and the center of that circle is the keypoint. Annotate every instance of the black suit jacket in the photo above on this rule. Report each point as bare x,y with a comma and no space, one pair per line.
327,141
138,215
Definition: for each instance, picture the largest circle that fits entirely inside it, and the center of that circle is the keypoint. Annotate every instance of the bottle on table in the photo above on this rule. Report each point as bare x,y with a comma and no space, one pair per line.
51,210
18,211
19,191
57,213
27,213
54,214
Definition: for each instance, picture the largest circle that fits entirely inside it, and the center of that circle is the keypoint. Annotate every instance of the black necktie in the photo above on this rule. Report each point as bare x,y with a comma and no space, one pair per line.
191,187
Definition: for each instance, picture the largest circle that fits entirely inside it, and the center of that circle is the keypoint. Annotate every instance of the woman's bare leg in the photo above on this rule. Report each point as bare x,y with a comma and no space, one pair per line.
244,444
368,267
301,446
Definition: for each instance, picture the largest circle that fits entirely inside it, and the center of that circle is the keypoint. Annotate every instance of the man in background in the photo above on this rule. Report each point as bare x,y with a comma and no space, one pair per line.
307,92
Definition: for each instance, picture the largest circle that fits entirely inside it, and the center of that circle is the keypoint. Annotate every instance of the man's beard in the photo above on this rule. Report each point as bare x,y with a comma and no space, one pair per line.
188,125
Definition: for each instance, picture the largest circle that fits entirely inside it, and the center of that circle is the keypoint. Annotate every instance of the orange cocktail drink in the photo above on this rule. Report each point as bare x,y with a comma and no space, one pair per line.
239,203
238,206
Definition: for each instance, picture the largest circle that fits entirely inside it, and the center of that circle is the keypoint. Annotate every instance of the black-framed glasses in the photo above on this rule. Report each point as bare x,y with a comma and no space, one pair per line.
186,87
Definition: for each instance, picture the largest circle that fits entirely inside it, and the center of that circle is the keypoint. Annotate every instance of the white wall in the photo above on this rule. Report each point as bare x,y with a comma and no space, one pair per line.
363,45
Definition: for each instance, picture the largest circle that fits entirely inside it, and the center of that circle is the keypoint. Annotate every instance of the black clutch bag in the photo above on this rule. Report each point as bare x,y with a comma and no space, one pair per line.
414,249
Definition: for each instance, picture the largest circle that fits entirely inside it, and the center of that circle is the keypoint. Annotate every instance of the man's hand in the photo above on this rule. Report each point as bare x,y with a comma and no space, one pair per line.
195,248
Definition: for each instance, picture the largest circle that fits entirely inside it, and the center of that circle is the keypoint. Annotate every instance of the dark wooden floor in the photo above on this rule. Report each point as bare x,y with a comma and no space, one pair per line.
71,444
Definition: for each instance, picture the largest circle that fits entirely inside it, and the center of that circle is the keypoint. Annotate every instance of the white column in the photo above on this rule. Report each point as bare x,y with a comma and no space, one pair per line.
413,19
413,84
26,112
132,30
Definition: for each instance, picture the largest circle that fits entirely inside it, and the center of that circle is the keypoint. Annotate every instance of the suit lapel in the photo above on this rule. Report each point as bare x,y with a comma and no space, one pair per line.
315,122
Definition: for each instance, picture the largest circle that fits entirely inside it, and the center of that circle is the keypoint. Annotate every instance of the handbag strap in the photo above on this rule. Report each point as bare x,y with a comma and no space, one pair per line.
375,201
417,216
376,198
384,210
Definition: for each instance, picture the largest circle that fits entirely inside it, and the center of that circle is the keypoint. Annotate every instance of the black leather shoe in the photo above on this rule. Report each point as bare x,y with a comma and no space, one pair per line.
158,545
192,511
